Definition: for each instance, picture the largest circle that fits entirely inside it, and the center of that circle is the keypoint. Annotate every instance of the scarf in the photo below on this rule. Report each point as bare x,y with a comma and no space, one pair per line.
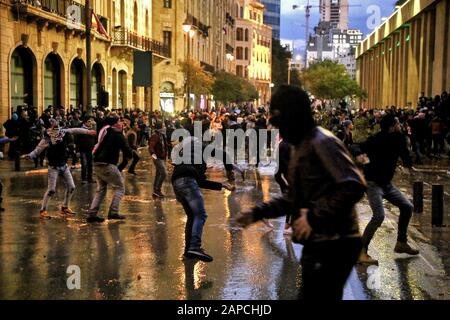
101,136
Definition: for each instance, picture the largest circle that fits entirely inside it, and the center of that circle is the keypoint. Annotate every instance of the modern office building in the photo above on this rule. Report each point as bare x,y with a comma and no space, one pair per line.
272,16
336,12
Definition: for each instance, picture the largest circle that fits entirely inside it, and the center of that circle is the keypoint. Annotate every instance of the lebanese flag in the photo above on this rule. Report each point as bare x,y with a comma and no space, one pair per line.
97,25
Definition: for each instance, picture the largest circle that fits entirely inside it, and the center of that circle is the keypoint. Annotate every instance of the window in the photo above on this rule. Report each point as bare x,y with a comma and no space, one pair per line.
239,34
167,4
239,53
167,40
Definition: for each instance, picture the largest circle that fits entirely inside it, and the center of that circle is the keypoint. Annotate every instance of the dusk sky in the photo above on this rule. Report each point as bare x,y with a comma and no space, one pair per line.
293,21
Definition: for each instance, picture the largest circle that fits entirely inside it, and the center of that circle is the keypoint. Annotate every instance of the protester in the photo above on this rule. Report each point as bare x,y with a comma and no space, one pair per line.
324,185
56,145
383,150
158,148
106,156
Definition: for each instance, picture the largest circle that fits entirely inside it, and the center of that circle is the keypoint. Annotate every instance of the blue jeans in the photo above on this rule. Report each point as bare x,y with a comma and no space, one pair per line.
376,194
189,195
160,174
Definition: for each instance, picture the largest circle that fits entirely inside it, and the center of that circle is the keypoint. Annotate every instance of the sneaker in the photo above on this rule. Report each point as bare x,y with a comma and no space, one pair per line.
43,214
403,247
199,254
92,219
364,258
158,194
116,217
65,211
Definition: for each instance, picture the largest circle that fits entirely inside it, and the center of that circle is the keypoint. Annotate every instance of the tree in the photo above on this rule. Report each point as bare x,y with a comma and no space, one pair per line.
228,88
196,78
329,80
280,63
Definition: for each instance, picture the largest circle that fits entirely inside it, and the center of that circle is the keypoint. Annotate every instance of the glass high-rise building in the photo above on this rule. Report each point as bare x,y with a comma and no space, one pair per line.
272,16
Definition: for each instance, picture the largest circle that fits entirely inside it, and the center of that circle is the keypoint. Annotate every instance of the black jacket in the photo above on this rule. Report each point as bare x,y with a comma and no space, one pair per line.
384,149
195,166
324,179
109,150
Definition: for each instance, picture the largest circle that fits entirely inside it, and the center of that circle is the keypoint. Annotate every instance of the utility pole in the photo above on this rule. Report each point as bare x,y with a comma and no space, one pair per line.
88,17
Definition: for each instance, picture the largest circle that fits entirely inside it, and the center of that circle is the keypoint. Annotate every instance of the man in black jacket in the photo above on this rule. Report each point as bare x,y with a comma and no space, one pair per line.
383,150
324,186
106,156
187,179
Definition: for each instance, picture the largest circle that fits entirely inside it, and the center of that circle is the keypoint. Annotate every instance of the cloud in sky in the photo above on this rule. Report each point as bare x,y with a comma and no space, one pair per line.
293,21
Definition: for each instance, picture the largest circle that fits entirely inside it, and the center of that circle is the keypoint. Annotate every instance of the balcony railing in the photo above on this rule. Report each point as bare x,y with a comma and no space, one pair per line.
124,37
57,7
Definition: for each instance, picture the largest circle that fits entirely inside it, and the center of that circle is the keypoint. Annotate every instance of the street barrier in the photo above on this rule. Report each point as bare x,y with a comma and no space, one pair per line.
437,210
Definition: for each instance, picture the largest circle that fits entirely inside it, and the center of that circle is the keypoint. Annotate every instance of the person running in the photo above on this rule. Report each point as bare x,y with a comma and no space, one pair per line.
55,142
383,151
131,134
325,185
187,180
106,156
158,148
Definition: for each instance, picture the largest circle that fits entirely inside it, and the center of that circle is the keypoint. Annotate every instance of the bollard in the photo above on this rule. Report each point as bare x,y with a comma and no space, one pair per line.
437,211
418,197
17,162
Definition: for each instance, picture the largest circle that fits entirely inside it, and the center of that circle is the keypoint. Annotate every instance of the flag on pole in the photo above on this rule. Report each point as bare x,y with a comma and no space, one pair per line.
97,25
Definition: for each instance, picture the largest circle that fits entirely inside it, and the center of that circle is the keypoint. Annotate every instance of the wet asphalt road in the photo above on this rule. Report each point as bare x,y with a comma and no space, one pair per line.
141,258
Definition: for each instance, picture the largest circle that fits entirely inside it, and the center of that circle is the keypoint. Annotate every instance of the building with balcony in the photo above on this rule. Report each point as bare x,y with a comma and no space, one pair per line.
254,48
210,42
407,55
43,53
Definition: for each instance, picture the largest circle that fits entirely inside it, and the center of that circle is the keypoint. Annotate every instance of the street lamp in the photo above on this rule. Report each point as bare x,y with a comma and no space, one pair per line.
190,32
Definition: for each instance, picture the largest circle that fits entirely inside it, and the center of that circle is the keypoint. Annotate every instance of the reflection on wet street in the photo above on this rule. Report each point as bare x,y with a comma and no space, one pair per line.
141,257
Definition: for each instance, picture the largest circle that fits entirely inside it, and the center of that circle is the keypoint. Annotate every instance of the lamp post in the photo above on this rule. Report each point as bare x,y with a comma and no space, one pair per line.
190,32
88,22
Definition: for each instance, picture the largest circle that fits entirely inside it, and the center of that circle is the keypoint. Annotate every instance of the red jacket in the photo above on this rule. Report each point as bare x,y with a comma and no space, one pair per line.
158,145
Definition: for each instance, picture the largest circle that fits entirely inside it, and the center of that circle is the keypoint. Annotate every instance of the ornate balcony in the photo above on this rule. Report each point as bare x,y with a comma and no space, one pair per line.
126,38
53,14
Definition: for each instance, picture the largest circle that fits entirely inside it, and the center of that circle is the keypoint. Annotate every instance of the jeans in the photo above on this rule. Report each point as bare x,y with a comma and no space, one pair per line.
86,165
135,161
160,174
107,174
326,266
376,194
189,195
53,174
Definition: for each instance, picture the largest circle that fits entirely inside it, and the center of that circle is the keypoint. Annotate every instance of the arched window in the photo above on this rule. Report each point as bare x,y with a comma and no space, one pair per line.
23,73
52,80
77,72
